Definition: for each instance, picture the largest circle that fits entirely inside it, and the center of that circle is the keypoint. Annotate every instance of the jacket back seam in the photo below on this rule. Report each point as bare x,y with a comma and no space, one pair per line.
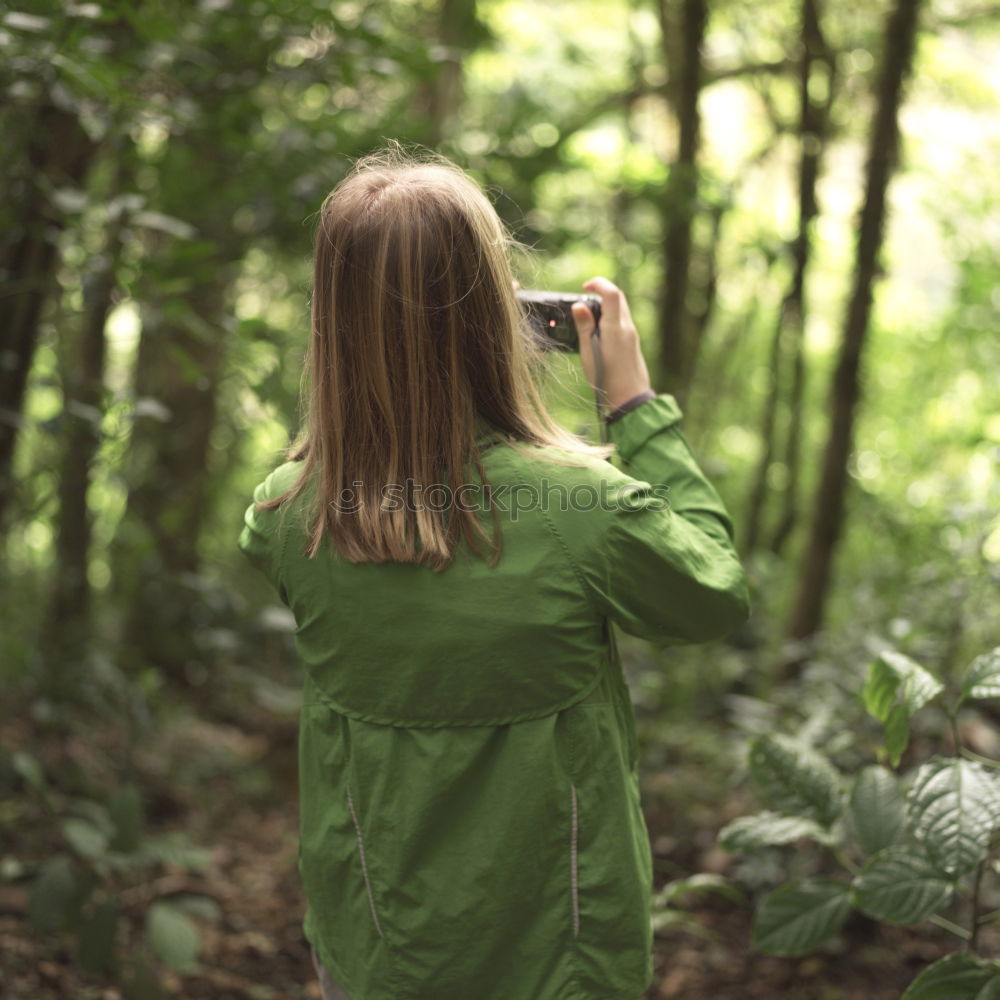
321,697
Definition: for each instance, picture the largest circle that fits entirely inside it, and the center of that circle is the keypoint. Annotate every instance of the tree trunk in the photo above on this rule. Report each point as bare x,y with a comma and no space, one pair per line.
845,393
814,128
181,357
677,326
57,154
813,123
83,390
457,31
758,490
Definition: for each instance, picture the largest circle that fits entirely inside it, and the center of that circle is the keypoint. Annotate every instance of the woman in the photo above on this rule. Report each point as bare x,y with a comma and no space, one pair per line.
470,822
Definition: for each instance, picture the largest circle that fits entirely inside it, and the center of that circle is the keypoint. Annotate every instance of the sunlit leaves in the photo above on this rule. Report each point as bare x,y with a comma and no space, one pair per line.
982,680
896,688
794,778
954,805
764,829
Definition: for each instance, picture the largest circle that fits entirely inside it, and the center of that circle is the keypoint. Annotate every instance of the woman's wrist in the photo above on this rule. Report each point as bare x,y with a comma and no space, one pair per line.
629,405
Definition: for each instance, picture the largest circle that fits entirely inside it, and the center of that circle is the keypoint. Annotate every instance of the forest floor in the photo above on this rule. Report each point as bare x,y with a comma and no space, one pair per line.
230,787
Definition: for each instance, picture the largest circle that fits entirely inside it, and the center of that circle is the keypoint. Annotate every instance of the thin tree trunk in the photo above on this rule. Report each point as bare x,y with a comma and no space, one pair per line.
828,516
702,316
457,30
677,326
180,362
790,327
83,388
815,122
758,490
57,154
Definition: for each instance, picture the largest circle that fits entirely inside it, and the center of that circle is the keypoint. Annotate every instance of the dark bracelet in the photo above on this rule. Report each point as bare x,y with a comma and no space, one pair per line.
629,405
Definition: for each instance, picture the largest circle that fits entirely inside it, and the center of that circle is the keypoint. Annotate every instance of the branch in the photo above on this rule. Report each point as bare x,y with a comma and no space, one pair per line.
748,69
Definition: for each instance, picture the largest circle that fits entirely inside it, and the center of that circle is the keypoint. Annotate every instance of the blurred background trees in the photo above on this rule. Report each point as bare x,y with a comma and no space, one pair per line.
800,199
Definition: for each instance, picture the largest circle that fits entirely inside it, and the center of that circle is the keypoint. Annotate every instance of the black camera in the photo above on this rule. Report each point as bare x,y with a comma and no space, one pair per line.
550,316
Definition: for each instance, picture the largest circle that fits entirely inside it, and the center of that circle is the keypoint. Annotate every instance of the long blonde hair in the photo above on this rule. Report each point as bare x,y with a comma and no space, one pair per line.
417,343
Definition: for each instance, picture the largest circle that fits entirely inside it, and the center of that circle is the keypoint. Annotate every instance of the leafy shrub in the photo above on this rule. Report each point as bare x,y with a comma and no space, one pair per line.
103,871
912,845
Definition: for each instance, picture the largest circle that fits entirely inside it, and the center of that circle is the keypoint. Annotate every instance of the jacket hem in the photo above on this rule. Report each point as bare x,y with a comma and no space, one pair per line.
576,991
330,964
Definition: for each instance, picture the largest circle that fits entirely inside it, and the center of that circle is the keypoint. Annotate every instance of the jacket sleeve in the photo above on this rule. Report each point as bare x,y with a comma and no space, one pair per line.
259,539
663,566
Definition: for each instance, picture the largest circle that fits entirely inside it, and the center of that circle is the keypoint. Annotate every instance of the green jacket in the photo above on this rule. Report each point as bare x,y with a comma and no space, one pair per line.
470,820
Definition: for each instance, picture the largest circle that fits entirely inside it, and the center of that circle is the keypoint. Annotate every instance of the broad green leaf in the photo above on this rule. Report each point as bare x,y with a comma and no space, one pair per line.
982,679
173,848
85,838
96,946
876,809
900,887
27,767
795,779
895,689
799,917
680,889
174,936
95,813
204,906
125,810
957,977
954,806
747,833
53,894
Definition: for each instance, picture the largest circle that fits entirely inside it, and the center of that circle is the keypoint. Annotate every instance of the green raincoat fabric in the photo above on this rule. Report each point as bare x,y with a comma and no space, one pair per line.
470,817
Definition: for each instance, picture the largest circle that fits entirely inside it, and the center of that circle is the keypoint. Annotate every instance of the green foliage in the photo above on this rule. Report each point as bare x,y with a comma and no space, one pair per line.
923,843
54,894
125,813
982,680
956,977
896,688
97,943
954,806
665,905
793,778
174,936
798,917
769,828
901,887
877,813
220,134
76,891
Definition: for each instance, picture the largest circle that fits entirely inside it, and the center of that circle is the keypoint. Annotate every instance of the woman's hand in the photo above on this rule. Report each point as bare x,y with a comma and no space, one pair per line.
625,372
